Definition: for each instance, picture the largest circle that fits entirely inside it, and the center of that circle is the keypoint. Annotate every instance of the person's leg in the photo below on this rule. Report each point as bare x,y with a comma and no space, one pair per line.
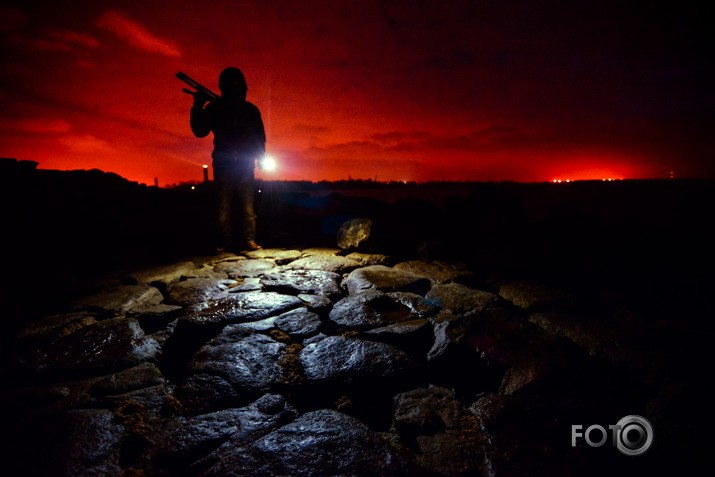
246,197
224,196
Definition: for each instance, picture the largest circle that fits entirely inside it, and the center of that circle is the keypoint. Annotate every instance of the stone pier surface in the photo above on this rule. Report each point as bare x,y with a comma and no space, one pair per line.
311,362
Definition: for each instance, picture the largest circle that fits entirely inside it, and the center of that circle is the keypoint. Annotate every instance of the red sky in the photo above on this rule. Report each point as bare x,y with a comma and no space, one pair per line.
422,90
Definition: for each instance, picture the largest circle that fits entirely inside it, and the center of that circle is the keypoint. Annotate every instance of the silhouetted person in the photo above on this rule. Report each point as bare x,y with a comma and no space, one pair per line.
239,139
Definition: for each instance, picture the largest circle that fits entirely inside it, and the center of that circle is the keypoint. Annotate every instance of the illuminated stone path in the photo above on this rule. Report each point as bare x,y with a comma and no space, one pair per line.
307,362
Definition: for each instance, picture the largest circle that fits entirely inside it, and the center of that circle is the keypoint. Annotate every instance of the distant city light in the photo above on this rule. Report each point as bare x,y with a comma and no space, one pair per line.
609,179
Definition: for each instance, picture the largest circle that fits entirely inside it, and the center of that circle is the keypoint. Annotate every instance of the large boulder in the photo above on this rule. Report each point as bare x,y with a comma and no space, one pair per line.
354,234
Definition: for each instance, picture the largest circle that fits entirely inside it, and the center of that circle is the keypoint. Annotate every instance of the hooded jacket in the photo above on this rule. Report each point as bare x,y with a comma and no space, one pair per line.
239,136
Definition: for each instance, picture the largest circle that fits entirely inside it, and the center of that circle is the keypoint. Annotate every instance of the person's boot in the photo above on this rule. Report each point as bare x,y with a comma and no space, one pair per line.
252,245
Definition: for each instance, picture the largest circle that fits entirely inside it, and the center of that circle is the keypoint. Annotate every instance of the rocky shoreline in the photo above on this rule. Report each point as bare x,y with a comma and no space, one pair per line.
317,361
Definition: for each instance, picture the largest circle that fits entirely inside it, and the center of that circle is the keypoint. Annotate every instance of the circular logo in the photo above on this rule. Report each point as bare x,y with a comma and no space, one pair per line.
635,435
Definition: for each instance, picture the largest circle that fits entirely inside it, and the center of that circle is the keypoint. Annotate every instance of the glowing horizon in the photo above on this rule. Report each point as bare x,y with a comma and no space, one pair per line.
461,92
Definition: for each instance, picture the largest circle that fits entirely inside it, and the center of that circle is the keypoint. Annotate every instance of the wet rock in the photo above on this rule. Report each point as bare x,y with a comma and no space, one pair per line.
54,327
346,360
141,376
488,344
240,307
366,259
316,303
261,325
533,296
295,282
369,309
299,323
162,334
325,441
325,262
106,346
129,300
250,268
419,305
163,274
426,411
460,299
202,393
250,362
205,271
182,441
354,233
196,290
248,284
277,255
415,336
151,400
321,251
380,277
448,335
438,272
256,420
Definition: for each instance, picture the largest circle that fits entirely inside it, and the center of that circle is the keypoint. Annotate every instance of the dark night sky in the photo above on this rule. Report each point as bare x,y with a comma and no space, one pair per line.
478,90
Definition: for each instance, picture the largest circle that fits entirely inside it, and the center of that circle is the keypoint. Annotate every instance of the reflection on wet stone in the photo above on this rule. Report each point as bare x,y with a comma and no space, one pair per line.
311,362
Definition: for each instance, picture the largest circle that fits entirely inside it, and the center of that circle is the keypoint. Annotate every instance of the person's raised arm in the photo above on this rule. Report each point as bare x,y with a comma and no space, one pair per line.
200,118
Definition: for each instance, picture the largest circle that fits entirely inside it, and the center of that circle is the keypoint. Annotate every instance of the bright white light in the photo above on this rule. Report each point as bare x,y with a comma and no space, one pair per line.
268,164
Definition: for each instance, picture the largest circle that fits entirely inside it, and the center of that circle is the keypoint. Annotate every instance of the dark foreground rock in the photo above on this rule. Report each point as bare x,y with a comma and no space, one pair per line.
318,443
306,362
